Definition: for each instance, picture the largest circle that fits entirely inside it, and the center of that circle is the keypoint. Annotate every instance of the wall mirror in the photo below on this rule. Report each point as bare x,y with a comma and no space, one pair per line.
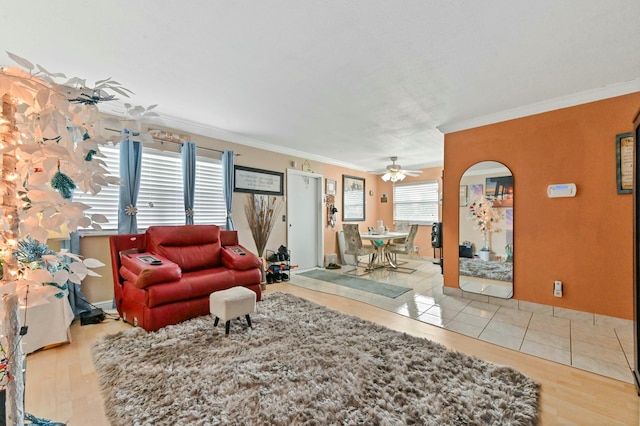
486,230
352,198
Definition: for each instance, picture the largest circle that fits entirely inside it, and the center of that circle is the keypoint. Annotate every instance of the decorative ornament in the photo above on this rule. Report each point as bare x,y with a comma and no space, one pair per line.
63,184
331,211
94,98
29,250
131,210
90,155
41,265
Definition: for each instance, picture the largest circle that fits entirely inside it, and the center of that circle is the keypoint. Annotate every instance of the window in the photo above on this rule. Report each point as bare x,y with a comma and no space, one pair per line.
209,203
160,197
160,200
416,202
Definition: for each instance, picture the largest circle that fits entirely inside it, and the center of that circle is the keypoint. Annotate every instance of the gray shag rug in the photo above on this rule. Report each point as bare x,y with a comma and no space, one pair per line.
301,364
501,271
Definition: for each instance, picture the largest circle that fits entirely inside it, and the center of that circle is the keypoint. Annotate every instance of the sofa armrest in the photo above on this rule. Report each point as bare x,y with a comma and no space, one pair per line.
229,237
239,258
142,273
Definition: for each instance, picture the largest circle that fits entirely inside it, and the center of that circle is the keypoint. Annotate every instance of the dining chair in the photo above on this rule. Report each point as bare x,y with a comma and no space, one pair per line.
405,247
353,246
400,227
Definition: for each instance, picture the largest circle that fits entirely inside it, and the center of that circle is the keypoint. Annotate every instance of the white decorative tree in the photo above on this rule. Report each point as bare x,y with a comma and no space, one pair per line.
50,145
484,216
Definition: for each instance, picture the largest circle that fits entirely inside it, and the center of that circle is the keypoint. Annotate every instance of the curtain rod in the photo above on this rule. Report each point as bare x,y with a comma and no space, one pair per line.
163,141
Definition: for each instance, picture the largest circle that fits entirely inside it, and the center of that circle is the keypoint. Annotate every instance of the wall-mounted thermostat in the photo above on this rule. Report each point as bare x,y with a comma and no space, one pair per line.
561,190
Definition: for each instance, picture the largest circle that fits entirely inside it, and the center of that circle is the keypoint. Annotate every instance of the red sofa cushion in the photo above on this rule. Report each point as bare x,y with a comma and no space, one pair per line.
192,247
193,285
239,258
142,274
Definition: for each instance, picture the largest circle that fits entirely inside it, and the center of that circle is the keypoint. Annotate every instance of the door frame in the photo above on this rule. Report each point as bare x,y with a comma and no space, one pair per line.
319,179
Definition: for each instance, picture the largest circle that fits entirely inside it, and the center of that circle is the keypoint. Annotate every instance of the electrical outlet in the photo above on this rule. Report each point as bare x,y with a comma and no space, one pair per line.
557,288
416,249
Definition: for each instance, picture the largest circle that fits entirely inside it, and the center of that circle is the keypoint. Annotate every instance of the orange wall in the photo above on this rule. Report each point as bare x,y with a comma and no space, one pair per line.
374,208
585,241
372,183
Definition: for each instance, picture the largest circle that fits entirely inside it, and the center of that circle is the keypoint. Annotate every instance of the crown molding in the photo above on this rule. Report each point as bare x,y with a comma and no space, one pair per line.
598,94
180,124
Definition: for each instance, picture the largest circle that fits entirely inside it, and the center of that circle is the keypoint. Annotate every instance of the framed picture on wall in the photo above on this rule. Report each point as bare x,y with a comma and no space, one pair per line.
258,181
476,190
500,190
624,163
352,198
330,187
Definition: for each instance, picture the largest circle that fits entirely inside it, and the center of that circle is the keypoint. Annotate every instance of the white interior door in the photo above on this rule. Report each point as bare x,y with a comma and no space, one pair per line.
304,219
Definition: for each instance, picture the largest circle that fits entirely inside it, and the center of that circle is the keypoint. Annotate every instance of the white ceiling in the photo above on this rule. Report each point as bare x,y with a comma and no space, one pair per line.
346,82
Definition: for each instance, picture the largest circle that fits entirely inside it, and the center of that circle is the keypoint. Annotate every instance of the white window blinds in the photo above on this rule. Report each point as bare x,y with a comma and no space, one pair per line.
160,200
209,204
416,202
106,201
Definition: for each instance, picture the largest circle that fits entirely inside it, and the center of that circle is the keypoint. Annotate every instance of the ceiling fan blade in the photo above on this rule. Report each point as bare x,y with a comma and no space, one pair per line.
411,171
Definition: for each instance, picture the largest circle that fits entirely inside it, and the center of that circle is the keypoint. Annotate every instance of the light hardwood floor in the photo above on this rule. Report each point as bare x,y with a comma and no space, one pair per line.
62,385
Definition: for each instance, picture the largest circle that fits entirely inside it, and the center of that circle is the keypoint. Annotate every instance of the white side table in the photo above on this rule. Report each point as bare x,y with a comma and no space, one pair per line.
48,319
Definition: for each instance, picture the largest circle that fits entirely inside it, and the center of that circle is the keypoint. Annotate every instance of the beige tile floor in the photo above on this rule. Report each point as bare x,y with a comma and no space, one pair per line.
596,343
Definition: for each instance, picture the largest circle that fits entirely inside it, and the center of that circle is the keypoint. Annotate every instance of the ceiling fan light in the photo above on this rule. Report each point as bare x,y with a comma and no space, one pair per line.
393,176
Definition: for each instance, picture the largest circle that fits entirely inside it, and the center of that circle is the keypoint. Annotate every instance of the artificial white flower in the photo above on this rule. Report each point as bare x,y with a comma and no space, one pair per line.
131,210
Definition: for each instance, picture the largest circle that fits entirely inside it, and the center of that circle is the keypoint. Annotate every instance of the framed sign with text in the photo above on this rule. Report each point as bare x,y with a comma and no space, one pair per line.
258,181
624,163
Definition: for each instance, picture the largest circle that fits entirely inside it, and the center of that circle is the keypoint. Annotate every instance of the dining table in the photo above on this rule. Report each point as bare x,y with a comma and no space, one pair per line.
381,242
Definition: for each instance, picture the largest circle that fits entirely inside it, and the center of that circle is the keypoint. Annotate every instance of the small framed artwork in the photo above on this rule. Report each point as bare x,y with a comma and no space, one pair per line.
463,195
476,190
624,163
330,187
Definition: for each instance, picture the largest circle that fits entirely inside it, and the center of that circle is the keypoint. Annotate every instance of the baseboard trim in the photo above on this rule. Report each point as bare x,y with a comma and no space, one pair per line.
106,305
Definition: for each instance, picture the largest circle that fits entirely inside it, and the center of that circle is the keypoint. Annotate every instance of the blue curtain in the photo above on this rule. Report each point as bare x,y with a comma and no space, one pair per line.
77,300
130,171
227,185
188,152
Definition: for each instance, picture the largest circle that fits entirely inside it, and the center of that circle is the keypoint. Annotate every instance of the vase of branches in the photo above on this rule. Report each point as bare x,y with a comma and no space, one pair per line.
261,212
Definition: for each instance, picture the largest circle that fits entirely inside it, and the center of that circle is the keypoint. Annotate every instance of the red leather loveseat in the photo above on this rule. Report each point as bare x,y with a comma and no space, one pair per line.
196,261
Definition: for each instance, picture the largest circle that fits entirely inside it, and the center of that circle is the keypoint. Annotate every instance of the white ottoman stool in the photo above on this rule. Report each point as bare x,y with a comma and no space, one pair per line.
232,303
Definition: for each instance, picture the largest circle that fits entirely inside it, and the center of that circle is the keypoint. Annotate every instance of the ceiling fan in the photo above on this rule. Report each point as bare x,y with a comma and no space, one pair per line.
395,172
